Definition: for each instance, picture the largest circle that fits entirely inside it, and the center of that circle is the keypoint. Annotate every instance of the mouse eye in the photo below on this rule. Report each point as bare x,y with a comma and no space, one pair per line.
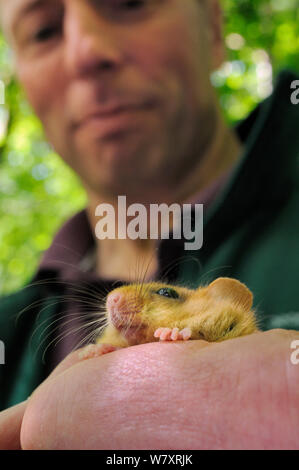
167,292
231,327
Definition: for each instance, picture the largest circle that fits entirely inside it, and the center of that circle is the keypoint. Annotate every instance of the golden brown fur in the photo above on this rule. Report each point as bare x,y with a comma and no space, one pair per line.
219,311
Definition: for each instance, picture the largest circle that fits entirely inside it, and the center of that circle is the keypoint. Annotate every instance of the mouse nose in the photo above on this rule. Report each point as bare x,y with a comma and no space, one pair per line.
115,300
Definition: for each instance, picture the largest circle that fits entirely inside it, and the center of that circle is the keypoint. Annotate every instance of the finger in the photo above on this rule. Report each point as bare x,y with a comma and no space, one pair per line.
68,362
96,350
10,426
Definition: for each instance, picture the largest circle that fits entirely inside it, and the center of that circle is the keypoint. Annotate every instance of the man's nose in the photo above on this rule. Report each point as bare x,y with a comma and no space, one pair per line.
91,42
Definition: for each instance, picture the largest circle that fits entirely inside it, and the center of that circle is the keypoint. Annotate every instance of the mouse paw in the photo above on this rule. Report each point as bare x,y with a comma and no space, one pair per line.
96,350
172,334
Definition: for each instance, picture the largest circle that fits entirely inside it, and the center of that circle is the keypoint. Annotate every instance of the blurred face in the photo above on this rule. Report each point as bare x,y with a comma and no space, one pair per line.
121,86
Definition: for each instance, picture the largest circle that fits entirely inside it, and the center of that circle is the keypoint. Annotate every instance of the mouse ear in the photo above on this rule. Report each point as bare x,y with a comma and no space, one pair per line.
226,287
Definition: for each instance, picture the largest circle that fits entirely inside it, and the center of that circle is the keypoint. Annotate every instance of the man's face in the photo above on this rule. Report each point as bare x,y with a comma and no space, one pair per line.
121,86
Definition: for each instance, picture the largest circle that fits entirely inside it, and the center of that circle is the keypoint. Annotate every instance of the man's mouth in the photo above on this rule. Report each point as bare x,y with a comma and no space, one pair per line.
112,120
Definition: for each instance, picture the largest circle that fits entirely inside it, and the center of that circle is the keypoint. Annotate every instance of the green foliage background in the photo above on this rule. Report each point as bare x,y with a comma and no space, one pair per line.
38,192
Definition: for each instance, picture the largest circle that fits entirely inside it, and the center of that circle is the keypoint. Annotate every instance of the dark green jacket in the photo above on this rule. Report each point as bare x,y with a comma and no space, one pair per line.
251,232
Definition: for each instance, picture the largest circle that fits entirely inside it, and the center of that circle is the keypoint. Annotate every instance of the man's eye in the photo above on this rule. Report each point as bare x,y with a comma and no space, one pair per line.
132,4
167,292
45,34
128,6
127,10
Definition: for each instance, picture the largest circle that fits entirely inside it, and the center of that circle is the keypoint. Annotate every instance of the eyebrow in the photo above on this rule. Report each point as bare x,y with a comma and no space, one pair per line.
25,9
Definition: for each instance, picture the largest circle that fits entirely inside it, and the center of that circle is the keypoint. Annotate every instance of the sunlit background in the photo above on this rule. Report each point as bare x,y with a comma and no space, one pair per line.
38,192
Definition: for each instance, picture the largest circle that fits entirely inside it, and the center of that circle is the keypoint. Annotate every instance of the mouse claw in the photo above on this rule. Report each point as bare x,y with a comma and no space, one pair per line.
95,350
163,333
185,334
158,332
172,334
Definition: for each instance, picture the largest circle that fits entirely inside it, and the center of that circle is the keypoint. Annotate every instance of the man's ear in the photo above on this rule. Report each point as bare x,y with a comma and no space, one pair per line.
228,288
215,18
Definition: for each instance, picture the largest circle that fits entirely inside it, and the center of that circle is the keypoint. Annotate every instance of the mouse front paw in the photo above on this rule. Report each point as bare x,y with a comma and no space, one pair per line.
95,350
172,334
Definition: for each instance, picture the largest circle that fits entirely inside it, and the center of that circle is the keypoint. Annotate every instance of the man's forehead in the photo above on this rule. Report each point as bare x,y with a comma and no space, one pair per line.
12,5
8,9
11,9
15,4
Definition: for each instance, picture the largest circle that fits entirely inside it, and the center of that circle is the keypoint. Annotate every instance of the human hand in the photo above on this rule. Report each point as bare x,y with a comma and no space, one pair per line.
238,394
11,418
10,427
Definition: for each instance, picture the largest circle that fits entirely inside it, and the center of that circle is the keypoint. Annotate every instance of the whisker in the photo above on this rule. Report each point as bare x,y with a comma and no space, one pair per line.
64,322
74,330
211,271
172,264
90,338
43,331
89,293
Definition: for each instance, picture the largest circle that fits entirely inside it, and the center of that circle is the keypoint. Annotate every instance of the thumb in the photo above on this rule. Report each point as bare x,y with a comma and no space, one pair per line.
66,363
10,426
